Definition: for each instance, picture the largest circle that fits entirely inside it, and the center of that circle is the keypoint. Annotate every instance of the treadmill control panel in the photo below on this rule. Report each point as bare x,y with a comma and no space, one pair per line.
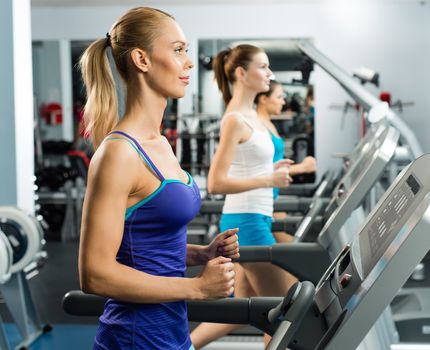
381,230
343,284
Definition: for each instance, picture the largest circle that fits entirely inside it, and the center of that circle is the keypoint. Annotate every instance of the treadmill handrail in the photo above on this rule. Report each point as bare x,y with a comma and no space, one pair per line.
305,225
78,303
307,261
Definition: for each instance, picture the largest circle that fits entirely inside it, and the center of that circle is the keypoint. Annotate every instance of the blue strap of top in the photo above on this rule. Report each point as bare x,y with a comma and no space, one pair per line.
145,156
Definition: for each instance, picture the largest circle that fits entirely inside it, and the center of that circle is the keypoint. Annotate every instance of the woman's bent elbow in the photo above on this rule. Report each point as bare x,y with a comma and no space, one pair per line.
212,188
89,282
86,285
213,184
86,288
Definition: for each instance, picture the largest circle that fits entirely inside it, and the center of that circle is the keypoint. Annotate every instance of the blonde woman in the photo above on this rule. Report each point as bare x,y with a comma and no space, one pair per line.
139,201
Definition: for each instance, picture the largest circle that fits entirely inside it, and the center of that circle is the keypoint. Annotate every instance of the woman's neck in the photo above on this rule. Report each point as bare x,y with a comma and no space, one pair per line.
242,100
144,113
263,114
265,117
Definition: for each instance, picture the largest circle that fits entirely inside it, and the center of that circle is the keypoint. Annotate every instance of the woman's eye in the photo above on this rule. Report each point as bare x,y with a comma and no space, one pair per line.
180,50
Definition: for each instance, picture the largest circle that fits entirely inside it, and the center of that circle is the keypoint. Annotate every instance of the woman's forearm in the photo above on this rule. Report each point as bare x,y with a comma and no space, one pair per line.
296,169
230,185
196,255
124,283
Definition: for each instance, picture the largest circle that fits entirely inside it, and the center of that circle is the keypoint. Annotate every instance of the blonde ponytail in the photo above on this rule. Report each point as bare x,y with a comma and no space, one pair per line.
101,109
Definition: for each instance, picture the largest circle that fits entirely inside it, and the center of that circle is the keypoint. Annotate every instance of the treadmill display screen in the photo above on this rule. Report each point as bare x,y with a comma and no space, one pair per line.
382,229
413,184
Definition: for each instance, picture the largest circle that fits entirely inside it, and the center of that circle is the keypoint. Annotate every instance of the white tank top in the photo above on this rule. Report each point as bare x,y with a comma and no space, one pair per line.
252,158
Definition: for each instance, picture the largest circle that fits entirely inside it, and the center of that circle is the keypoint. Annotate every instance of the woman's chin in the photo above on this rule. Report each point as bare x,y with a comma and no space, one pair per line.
177,94
264,88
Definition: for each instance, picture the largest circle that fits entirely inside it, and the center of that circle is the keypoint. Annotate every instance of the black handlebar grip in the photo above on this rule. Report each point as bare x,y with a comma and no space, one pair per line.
279,310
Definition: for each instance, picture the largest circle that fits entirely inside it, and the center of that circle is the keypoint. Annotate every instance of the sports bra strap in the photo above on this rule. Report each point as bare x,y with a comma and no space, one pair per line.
145,156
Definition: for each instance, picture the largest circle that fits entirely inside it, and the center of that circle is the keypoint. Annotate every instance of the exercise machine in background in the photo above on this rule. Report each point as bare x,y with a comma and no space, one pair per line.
22,255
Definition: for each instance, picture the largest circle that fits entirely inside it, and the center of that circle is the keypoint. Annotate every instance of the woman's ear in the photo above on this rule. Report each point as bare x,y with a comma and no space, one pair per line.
239,72
140,59
262,99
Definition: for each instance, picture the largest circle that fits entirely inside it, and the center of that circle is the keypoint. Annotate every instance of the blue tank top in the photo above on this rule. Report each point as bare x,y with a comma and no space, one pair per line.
278,142
154,241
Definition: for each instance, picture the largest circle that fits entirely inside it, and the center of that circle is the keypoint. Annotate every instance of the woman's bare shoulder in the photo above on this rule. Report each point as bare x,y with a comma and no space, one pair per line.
116,154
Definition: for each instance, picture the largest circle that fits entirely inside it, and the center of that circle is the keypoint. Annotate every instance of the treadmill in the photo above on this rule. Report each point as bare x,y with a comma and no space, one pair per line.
352,294
367,274
411,307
